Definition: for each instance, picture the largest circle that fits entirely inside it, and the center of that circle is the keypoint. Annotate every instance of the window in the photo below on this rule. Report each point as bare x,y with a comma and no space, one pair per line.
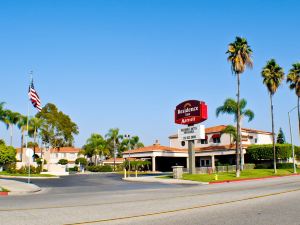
65,155
207,162
183,143
203,141
202,162
255,140
56,155
217,140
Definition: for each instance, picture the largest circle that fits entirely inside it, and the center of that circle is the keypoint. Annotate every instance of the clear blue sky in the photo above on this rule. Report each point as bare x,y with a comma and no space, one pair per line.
128,63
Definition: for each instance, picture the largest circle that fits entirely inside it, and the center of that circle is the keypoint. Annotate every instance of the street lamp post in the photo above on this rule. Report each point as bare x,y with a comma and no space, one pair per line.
291,134
128,137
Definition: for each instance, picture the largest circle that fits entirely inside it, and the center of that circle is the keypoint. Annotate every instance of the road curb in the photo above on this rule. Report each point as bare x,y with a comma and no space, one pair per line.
31,178
250,179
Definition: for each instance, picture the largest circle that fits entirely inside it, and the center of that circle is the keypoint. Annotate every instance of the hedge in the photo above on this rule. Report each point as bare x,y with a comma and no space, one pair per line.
265,152
105,168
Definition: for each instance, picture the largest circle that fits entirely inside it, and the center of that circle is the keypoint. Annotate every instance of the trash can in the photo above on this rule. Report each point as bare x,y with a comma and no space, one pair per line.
177,172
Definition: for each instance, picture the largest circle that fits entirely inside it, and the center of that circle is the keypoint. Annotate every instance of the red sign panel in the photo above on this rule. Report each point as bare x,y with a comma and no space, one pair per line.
191,112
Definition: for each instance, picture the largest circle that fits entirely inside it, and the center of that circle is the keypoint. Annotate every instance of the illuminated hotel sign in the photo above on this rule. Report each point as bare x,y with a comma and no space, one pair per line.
191,112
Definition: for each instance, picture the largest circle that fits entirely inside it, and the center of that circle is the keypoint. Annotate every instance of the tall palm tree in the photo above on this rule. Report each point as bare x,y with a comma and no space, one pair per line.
34,126
273,76
114,138
293,78
135,142
10,119
231,130
2,112
97,145
239,55
22,125
239,111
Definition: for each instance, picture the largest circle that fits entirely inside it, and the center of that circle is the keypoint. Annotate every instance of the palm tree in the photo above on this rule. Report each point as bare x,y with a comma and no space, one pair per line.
293,78
231,130
10,119
97,145
272,75
22,125
239,55
135,142
113,137
2,112
34,126
231,107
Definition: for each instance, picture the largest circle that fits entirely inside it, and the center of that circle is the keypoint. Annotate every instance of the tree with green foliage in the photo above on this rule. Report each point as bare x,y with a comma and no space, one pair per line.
10,119
81,161
35,124
2,112
63,161
114,140
125,145
239,55
231,107
58,129
22,125
280,137
273,76
231,130
7,155
293,78
96,146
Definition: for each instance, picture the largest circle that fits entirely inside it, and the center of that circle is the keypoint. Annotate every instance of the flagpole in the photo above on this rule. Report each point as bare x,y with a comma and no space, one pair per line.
27,128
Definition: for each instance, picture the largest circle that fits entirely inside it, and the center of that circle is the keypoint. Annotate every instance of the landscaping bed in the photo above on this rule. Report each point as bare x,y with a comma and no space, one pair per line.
246,174
3,173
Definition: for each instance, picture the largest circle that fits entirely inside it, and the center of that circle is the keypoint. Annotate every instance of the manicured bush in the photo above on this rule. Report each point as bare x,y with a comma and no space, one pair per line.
137,165
81,161
63,162
74,169
265,152
285,165
105,168
263,166
24,170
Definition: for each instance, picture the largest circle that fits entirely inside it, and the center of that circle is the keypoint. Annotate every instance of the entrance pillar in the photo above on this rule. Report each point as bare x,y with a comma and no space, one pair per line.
153,163
213,162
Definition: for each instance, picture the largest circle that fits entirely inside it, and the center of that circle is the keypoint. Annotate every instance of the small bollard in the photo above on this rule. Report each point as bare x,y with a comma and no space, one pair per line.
125,173
216,176
136,173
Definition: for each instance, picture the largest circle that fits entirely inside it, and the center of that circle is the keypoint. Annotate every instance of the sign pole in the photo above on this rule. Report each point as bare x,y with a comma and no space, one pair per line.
192,169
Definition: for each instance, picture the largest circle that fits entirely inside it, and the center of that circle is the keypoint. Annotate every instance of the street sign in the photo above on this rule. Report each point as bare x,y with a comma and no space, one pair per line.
191,133
191,112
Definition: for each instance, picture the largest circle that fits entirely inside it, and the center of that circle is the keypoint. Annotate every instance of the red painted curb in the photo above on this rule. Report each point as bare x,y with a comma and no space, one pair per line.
2,193
247,179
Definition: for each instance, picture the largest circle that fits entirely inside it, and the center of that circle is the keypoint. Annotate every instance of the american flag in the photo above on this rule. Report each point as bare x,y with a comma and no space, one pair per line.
34,97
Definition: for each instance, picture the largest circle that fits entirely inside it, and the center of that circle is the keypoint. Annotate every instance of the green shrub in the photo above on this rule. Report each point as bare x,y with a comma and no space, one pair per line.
63,162
24,170
11,168
263,166
265,152
74,169
105,168
81,161
285,165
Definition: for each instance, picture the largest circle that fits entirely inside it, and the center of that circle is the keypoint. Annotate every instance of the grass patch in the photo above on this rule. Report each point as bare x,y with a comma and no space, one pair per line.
165,177
25,175
255,173
4,189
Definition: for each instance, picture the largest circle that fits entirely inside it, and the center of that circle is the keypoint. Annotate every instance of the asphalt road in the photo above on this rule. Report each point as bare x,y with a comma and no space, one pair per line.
105,199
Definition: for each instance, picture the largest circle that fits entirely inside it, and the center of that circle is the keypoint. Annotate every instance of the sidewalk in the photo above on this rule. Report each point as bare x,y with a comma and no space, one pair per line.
18,188
156,179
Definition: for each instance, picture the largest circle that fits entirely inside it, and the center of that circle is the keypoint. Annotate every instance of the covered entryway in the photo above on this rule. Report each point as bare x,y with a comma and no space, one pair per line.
164,164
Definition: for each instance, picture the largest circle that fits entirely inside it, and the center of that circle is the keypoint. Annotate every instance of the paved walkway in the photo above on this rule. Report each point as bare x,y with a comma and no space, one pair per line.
18,188
162,180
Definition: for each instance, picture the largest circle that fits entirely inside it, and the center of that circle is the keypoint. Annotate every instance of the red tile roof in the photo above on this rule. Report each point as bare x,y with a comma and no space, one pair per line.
57,150
155,148
220,128
159,148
